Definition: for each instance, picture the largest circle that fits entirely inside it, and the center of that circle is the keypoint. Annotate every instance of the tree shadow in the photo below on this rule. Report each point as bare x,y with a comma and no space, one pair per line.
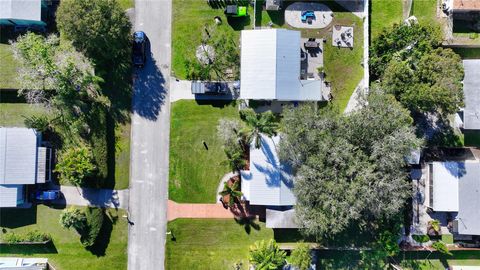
149,91
238,23
248,223
103,239
18,217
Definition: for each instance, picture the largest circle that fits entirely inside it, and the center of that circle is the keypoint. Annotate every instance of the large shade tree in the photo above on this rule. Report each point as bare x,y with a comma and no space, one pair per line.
349,169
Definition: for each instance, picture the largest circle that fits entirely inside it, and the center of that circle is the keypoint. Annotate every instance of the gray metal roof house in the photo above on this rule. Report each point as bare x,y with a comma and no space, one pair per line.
471,90
270,67
455,188
22,162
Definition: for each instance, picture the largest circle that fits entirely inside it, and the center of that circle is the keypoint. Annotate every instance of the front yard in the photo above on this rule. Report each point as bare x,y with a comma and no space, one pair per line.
195,171
210,243
425,11
66,252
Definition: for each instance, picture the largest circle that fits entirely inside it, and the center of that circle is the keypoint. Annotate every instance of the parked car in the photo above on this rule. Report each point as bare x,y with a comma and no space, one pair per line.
236,11
210,88
47,195
139,56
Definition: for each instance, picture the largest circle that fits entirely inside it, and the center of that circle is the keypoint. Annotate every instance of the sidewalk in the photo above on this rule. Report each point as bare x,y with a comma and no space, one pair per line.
196,210
93,197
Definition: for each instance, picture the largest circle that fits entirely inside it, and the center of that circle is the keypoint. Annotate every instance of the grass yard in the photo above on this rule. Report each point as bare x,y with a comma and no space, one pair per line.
195,172
383,14
468,53
66,252
189,20
425,11
210,243
126,4
13,114
437,261
8,68
342,66
122,156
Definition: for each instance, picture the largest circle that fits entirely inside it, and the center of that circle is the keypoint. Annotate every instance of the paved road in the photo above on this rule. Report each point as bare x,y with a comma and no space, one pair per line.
150,140
93,196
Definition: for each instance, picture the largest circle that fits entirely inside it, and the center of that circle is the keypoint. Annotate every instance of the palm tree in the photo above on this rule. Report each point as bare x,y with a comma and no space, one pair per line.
257,124
232,191
267,255
235,159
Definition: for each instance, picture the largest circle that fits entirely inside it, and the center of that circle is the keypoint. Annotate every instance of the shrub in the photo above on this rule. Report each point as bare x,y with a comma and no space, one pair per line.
73,217
441,247
75,164
300,257
95,217
31,236
421,238
40,123
267,255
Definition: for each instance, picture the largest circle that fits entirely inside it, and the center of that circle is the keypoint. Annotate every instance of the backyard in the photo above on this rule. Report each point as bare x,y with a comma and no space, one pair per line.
210,243
66,251
384,14
195,170
343,67
425,11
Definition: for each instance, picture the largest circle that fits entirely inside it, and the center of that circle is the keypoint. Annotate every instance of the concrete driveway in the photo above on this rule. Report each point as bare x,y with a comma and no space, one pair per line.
93,197
150,140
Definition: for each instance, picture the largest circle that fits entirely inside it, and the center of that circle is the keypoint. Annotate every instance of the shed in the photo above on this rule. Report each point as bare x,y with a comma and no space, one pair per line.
273,5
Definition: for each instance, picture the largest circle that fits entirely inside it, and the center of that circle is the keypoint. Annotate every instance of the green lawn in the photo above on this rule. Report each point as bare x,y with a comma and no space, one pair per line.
210,244
195,172
418,260
13,114
425,11
189,20
66,252
342,66
122,156
8,68
126,4
383,14
468,53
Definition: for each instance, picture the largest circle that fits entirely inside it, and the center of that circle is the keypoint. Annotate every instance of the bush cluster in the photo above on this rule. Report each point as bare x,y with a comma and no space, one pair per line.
31,236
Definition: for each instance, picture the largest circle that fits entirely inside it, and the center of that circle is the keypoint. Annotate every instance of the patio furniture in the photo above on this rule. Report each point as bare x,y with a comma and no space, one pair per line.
308,15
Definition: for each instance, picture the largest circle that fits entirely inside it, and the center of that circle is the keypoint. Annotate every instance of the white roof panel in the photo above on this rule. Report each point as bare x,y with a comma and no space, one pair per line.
9,195
268,182
469,200
21,9
445,185
471,90
270,67
18,156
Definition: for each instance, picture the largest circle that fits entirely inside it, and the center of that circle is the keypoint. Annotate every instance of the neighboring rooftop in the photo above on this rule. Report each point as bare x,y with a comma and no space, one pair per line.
21,9
270,67
466,5
456,188
18,155
471,90
268,182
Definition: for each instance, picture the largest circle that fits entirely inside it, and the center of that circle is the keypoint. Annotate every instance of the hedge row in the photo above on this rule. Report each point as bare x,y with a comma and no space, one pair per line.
30,237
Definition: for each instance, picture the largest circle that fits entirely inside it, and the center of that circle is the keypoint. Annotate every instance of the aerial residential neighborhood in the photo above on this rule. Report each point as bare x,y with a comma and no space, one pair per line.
239,134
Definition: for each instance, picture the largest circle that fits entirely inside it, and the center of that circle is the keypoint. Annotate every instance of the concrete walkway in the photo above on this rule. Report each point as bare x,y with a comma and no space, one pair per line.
354,101
197,210
93,197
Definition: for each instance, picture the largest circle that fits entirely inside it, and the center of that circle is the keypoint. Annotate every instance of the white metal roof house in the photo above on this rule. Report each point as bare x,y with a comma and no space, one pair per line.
270,67
454,187
21,9
471,90
269,182
22,162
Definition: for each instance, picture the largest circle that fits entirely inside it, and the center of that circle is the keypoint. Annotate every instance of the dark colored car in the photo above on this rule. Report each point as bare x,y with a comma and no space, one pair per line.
47,195
139,56
210,88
